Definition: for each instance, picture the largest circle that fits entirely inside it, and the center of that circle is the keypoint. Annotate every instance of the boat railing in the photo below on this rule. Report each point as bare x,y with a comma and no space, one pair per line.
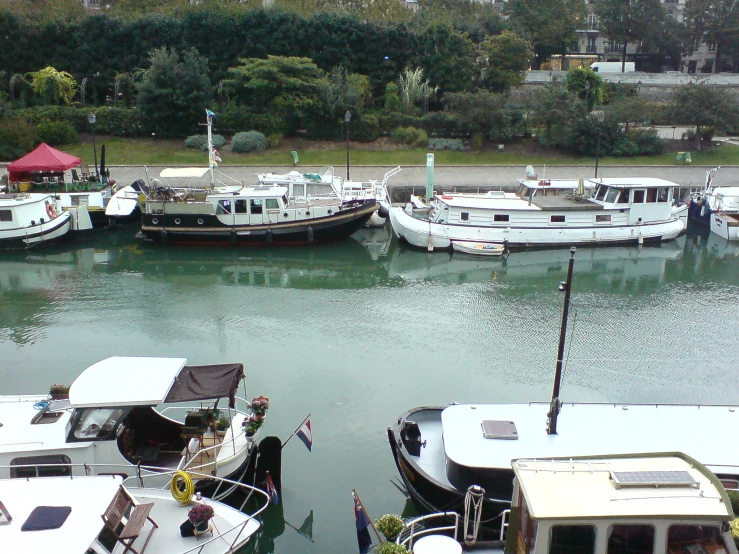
420,527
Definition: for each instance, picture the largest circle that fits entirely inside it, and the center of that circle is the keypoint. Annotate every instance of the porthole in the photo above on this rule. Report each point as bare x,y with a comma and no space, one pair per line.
155,221
285,214
200,221
307,212
330,211
177,221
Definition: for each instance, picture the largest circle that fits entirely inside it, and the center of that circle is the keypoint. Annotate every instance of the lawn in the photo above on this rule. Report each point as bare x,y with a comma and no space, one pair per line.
124,151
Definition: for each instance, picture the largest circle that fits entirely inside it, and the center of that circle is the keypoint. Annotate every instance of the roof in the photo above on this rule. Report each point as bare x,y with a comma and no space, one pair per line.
12,199
632,182
121,381
550,183
44,158
181,172
558,489
87,496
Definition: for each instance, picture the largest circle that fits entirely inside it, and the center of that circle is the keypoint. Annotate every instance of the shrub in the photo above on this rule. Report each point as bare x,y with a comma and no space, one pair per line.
477,141
18,136
274,140
455,145
55,133
390,525
231,120
388,123
647,141
444,124
734,498
250,141
200,142
392,98
707,133
391,548
410,136
365,129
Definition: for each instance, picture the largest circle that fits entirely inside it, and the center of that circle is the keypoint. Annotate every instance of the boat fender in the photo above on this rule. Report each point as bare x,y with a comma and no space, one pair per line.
164,236
234,237
50,211
310,233
704,210
268,236
383,212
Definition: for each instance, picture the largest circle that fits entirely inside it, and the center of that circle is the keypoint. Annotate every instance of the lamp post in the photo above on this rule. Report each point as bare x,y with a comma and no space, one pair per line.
347,119
599,117
92,119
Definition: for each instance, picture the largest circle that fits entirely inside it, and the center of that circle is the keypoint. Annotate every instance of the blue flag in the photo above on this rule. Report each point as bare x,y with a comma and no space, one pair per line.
364,540
209,113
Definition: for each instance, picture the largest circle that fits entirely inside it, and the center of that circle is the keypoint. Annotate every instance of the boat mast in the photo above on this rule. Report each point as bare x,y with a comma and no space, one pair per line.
556,404
211,155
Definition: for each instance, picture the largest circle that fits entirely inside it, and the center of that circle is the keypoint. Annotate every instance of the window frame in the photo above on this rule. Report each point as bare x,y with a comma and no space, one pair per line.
501,218
464,216
2,212
600,218
555,526
49,460
558,221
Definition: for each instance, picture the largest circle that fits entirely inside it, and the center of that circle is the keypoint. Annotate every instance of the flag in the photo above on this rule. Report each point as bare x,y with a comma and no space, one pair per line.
307,528
272,490
215,156
305,434
209,113
364,540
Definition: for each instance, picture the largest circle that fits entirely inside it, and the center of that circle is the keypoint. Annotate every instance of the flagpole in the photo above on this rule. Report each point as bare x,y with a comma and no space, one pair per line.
379,538
296,430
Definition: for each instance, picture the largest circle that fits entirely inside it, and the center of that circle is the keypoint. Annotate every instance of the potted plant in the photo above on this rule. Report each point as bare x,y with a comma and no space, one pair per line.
222,424
390,525
391,548
252,425
260,405
199,516
58,392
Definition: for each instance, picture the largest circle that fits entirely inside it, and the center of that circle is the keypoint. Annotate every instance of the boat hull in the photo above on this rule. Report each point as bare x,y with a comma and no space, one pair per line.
725,225
429,235
36,235
208,229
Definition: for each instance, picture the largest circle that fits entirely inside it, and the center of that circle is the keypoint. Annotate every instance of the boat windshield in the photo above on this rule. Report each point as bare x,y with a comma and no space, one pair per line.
600,194
612,194
91,424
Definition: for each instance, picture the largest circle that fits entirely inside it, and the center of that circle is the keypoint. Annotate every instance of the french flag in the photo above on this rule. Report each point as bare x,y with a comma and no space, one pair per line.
305,434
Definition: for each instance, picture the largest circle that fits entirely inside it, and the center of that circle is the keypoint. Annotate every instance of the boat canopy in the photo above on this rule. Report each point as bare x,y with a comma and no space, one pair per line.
181,172
130,381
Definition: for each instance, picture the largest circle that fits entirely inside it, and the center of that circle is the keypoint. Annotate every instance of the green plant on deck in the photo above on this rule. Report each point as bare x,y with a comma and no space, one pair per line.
59,389
391,548
223,423
390,525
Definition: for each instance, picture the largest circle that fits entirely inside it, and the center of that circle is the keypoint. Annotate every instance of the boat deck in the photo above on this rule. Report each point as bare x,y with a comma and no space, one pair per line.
565,203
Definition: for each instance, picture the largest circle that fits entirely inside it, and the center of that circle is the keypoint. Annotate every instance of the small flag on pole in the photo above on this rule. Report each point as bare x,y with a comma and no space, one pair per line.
307,528
209,113
364,540
305,434
215,156
272,490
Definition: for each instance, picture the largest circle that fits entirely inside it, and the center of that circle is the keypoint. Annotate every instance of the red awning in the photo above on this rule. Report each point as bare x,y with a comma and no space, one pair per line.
44,158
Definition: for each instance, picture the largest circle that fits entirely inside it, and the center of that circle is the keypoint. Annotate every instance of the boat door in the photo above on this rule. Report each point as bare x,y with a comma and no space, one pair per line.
637,201
271,210
256,209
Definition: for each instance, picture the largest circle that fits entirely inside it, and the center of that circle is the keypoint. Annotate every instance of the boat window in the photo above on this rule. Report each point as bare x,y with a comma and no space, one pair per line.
6,215
96,423
48,466
631,539
651,195
624,198
298,190
572,539
612,194
271,204
284,200
240,207
603,218
557,219
600,194
695,538
223,207
256,206
730,484
638,197
662,194
464,216
501,217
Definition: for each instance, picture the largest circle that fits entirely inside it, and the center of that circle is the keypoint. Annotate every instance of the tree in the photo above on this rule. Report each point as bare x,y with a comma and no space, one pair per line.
554,110
586,84
629,20
392,98
448,56
482,111
477,19
340,91
549,26
413,88
277,84
174,93
713,22
704,105
502,61
55,87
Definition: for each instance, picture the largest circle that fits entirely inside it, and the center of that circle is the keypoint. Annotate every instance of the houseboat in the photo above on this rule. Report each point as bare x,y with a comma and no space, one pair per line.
28,220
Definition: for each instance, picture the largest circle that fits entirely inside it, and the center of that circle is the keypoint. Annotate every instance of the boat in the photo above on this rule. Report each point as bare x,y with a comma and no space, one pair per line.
477,248
121,512
124,411
717,208
28,220
442,452
636,503
261,214
125,204
546,213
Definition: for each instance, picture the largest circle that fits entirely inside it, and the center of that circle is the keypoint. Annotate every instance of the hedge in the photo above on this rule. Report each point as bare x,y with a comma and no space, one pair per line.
235,119
110,121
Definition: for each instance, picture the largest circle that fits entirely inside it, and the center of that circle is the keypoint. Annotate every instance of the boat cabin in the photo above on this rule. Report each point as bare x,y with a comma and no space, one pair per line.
529,188
636,504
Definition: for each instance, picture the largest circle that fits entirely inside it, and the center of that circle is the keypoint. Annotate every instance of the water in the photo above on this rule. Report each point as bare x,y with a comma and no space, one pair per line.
356,333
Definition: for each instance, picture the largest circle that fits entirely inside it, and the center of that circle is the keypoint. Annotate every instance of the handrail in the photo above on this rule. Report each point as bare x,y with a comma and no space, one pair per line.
410,533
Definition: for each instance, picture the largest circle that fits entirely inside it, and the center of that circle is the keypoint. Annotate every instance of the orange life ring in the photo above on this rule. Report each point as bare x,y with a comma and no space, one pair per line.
446,197
50,211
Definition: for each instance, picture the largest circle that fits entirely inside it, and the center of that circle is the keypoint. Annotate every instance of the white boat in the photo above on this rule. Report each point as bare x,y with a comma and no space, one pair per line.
124,411
126,203
632,503
478,248
546,213
717,207
103,514
31,219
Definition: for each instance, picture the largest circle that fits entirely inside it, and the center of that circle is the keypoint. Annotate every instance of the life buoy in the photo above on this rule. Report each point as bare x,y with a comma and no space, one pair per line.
446,197
50,211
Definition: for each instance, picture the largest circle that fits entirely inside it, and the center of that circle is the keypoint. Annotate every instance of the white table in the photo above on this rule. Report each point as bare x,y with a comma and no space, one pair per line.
436,544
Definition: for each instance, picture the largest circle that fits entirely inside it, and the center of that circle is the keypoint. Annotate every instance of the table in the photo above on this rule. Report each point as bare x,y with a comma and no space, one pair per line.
436,544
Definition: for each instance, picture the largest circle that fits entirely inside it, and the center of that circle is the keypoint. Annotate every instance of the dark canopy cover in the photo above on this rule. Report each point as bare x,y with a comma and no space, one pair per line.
202,382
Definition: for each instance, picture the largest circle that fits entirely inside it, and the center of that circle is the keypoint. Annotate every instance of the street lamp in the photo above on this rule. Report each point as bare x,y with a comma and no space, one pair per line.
347,119
599,117
92,119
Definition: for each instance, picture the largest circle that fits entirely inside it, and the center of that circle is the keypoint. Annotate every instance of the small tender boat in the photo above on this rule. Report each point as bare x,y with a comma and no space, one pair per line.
717,208
636,503
31,219
126,202
102,514
478,248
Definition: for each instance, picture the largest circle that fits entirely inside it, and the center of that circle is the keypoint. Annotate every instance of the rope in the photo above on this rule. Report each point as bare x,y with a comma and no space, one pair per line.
472,501
182,495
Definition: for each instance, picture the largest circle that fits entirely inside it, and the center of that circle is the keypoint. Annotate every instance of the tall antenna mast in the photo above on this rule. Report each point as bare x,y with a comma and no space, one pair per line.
209,116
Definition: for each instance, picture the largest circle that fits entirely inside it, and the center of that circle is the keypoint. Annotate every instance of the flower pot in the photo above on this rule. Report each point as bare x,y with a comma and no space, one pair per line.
59,396
201,526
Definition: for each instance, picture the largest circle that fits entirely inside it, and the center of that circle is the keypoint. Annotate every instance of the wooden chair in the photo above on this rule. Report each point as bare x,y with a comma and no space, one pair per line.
85,170
127,531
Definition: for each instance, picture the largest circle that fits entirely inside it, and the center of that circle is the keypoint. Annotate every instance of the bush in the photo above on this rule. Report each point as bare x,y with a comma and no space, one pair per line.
455,145
274,140
200,142
231,120
410,136
366,129
647,141
110,121
390,525
391,548
250,141
477,141
55,133
388,123
443,124
17,137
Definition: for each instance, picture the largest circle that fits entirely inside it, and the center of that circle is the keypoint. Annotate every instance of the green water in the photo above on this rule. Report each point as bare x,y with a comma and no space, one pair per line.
355,333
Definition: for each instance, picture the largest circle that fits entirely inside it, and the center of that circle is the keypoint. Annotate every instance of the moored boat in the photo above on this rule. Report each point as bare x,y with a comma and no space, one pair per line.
28,220
717,208
125,204
478,248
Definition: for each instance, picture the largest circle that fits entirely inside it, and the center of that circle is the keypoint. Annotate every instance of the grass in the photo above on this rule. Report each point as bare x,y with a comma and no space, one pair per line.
124,151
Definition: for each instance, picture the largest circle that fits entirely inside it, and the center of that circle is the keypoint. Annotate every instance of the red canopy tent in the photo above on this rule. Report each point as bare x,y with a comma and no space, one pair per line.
44,158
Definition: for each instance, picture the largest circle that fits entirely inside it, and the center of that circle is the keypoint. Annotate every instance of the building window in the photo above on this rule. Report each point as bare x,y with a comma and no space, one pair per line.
613,46
464,216
593,21
501,217
557,219
6,215
603,218
592,46
711,46
51,466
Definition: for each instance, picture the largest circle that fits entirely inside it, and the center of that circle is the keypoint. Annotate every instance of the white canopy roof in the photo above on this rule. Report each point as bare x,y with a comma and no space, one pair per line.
179,172
632,182
121,381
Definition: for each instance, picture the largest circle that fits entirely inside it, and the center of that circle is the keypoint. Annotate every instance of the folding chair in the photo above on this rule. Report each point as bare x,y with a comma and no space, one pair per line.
126,532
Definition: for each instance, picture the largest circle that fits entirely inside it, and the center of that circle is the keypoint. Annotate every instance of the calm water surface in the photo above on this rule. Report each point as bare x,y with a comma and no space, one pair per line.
357,332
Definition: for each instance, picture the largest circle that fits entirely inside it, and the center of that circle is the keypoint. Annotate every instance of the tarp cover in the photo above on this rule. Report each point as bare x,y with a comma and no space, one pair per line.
203,382
44,158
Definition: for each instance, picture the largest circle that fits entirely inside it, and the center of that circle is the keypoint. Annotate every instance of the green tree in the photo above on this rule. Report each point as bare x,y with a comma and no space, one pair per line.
447,55
54,87
629,21
714,22
277,84
704,105
586,84
482,112
392,98
173,93
341,91
502,61
413,88
477,19
554,110
549,26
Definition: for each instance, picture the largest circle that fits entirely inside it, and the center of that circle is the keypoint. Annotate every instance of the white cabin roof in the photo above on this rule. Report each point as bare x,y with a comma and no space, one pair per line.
568,184
566,489
181,172
264,190
13,199
87,496
632,182
124,381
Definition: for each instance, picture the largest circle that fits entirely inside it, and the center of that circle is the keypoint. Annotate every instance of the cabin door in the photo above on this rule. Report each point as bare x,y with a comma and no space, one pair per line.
256,209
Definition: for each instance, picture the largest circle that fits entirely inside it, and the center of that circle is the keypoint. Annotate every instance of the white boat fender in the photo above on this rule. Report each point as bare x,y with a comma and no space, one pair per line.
641,238
310,233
